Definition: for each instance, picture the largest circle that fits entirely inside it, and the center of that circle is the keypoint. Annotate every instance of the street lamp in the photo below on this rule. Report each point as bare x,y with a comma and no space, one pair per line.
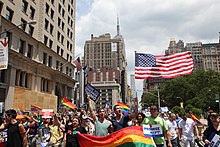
181,104
33,22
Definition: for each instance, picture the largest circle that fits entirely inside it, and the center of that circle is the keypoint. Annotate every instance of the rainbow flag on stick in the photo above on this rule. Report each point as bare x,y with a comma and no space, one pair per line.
20,111
126,137
67,103
35,108
125,108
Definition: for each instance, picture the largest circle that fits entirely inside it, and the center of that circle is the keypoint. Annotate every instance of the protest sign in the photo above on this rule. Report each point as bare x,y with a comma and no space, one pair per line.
154,131
92,92
215,142
3,53
47,113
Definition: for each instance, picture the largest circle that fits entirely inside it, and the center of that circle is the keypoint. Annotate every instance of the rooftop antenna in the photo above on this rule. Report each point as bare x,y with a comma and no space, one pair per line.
118,27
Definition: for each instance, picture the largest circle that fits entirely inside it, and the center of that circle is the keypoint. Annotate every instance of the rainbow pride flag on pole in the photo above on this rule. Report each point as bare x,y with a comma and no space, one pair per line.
67,103
126,137
20,111
125,108
35,108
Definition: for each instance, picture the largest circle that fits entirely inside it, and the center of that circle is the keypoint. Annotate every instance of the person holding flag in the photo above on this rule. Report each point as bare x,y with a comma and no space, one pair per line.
102,126
121,120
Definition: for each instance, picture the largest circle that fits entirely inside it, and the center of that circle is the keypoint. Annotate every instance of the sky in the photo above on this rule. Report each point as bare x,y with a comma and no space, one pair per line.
148,25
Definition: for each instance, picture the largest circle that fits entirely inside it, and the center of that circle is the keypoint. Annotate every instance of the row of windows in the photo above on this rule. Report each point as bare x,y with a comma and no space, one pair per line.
46,26
51,15
26,50
46,42
24,7
60,37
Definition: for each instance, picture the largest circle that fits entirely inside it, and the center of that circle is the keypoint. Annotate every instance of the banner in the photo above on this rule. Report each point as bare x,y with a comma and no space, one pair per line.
3,53
92,92
127,137
47,113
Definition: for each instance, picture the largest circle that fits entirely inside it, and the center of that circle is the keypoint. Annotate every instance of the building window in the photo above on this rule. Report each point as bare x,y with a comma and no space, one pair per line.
1,6
22,46
57,65
47,8
32,12
45,40
45,58
62,39
59,22
62,52
59,8
67,57
63,26
58,50
45,85
52,2
30,51
31,30
50,61
24,24
70,58
58,36
51,14
50,44
61,67
51,29
24,6
22,79
3,76
46,24
70,72
63,13
67,70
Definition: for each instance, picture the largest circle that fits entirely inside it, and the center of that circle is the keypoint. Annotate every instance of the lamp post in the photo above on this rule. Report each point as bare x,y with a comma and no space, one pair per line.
33,22
181,104
217,101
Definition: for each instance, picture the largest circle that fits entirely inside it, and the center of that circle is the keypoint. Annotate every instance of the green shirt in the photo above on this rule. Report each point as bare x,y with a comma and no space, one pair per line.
101,129
153,121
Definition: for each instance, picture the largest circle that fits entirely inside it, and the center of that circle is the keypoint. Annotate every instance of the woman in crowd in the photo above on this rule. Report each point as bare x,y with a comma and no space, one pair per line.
140,117
213,129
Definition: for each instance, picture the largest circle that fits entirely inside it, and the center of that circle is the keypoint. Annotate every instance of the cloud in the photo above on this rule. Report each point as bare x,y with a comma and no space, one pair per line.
148,25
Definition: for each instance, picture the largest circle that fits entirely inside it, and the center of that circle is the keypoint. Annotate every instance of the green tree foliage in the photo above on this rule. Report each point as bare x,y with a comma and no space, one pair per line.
198,90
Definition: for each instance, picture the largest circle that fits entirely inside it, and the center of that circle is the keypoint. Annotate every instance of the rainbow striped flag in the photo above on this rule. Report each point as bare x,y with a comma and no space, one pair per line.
35,108
67,103
124,107
20,111
126,137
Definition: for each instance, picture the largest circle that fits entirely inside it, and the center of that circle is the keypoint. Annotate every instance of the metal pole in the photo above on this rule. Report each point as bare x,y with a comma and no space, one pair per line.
158,96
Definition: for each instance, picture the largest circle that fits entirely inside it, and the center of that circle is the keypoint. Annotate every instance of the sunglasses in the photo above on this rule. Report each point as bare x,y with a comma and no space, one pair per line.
153,109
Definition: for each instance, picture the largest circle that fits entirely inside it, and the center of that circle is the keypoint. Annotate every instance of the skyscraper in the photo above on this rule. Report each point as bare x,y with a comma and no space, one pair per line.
109,53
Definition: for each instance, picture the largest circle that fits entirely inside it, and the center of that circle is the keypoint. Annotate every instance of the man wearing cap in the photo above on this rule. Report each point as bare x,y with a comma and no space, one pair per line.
213,129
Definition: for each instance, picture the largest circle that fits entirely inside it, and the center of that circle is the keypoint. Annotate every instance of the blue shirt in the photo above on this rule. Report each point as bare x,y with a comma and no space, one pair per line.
121,124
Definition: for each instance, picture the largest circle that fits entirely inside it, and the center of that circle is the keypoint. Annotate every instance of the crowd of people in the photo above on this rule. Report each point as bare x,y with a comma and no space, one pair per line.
61,130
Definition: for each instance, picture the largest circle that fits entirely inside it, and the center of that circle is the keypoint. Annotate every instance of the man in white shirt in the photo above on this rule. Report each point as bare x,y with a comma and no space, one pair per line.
187,127
173,129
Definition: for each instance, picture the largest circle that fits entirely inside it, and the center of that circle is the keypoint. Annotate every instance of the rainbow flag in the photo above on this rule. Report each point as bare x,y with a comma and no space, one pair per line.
124,107
35,108
20,111
126,137
67,103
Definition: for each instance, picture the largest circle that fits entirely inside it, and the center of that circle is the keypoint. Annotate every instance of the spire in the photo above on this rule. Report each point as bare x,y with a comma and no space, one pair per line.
118,27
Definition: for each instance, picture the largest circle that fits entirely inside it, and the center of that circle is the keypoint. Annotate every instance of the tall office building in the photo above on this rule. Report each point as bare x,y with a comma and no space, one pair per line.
40,69
106,52
132,84
196,50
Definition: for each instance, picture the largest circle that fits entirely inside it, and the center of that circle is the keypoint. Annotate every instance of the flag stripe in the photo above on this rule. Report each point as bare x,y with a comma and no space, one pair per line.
167,66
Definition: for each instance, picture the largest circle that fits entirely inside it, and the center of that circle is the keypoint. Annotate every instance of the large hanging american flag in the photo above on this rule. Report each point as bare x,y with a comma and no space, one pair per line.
165,66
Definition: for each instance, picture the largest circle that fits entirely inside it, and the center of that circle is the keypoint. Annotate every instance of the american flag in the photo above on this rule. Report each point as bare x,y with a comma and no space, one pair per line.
165,66
77,64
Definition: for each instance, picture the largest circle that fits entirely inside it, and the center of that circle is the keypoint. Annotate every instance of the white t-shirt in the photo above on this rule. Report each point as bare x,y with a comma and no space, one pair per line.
187,128
172,126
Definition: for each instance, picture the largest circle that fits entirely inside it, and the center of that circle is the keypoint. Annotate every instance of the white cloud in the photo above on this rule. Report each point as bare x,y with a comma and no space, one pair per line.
148,25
